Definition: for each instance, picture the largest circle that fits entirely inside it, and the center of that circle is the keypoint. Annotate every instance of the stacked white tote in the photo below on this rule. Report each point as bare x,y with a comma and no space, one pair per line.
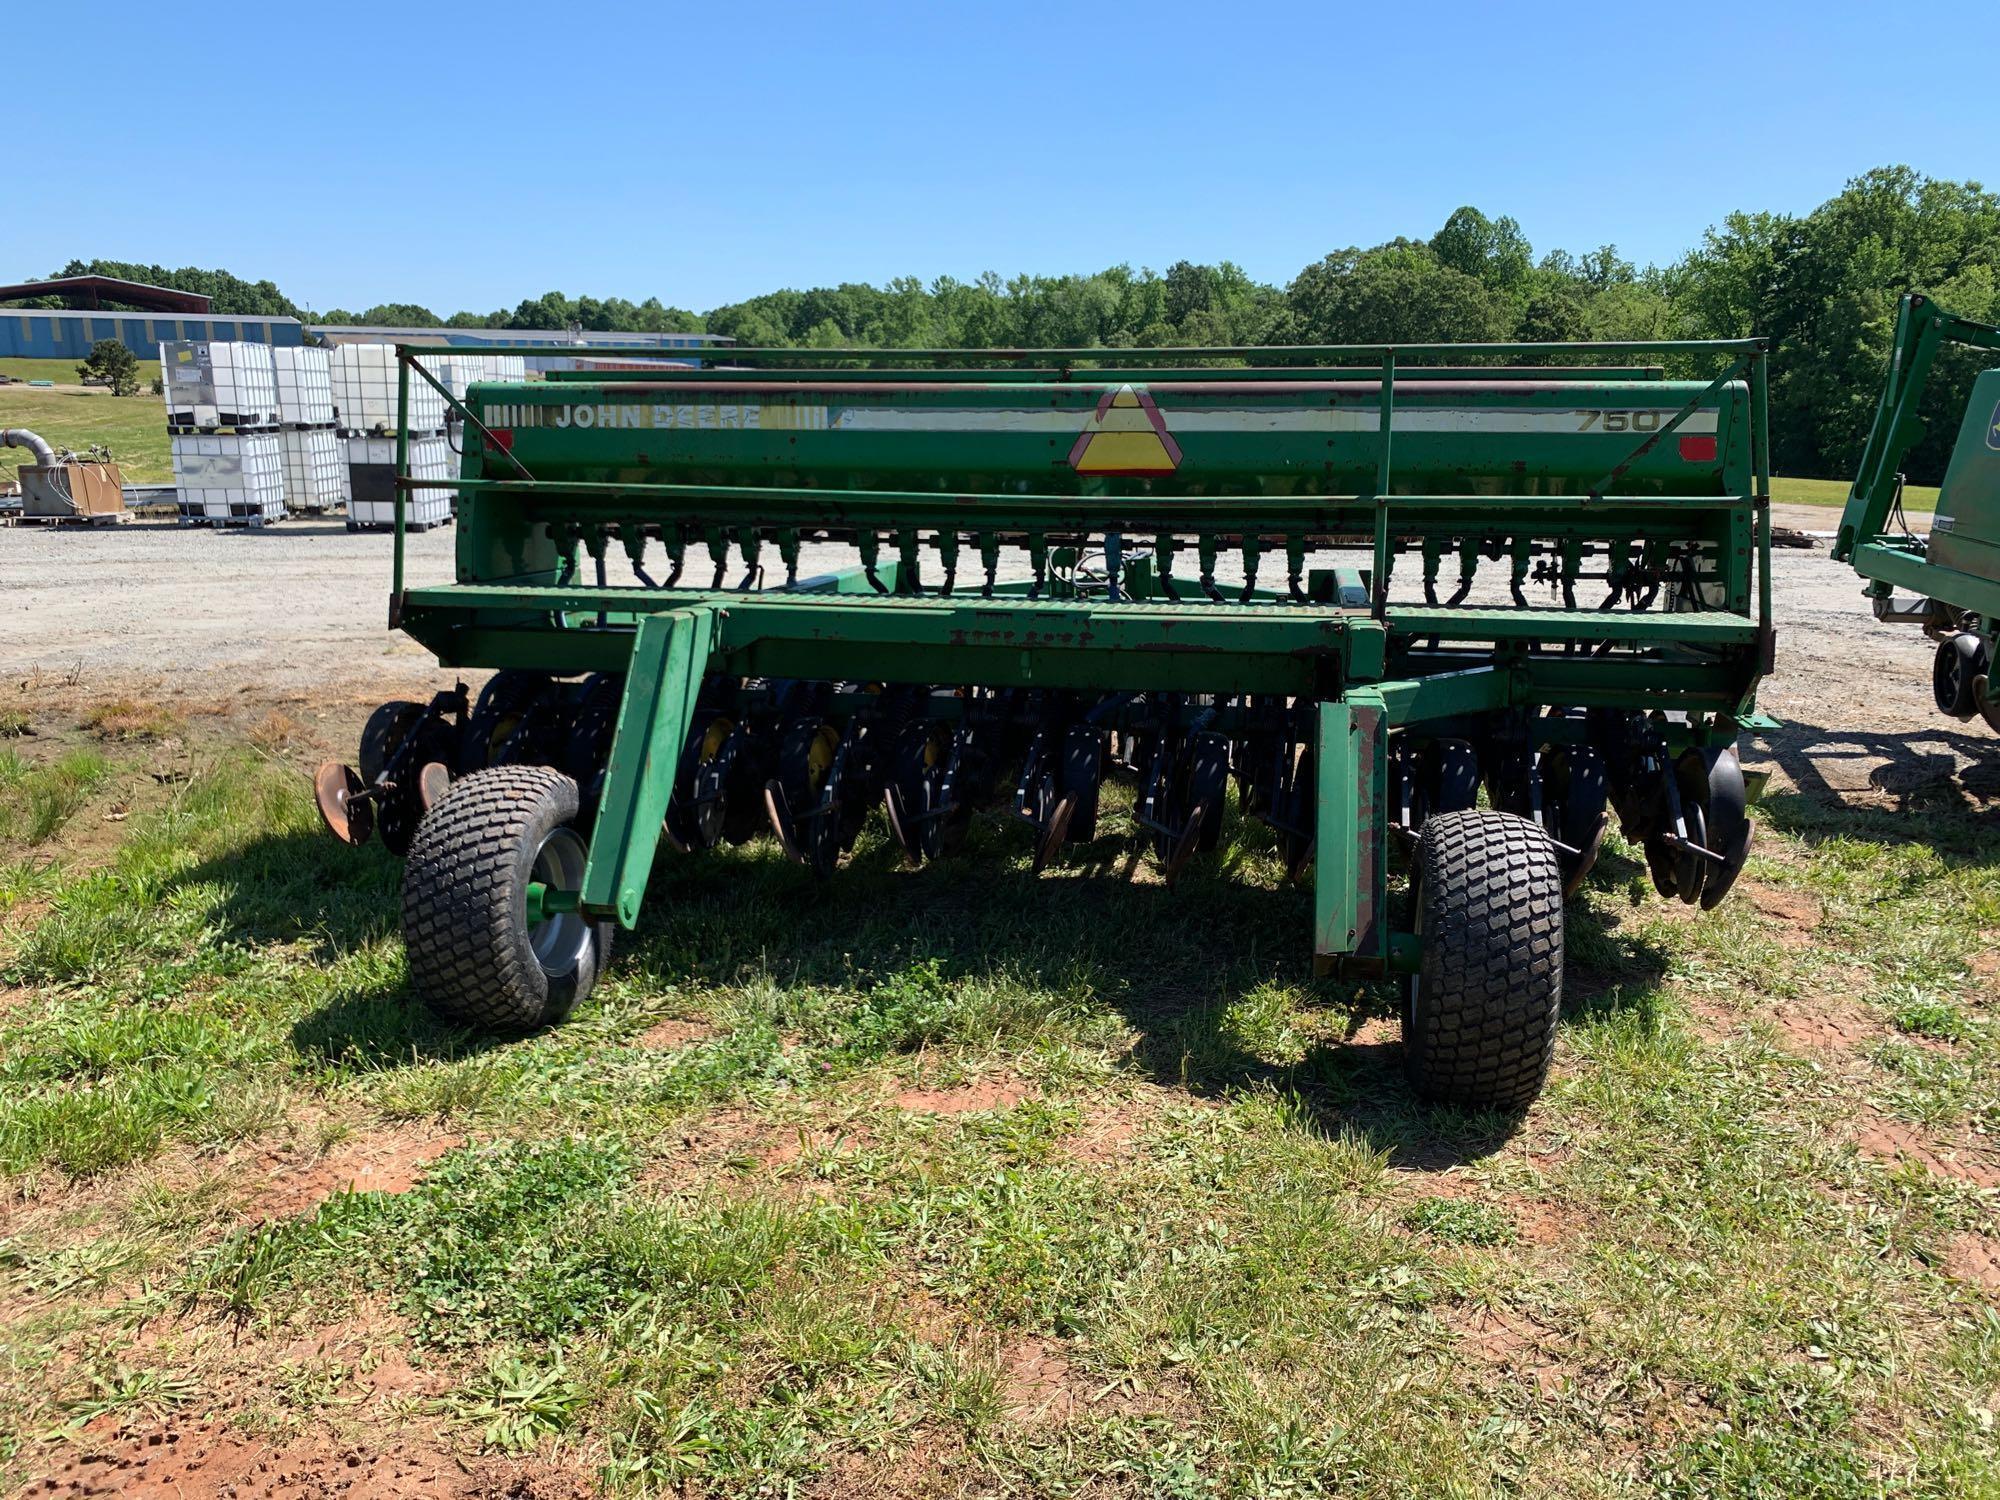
315,472
222,414
364,396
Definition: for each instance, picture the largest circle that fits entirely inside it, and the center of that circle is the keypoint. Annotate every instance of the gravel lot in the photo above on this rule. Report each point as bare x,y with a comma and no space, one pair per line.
300,608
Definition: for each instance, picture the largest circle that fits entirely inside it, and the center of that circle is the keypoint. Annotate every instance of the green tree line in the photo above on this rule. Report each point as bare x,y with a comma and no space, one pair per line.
1822,285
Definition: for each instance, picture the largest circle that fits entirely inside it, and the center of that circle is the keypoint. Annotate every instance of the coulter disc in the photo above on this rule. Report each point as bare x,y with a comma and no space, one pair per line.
334,788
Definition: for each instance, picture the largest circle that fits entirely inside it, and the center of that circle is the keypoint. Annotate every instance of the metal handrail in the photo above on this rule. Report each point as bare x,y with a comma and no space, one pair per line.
1364,353
1754,352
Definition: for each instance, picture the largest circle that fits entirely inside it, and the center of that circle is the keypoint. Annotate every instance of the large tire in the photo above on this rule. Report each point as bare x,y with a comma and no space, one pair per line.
473,957
1479,1027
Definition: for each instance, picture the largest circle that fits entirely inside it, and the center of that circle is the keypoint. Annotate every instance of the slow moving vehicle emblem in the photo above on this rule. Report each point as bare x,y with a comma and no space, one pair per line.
1127,437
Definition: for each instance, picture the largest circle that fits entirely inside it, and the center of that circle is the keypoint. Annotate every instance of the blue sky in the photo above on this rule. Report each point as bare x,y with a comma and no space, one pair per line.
466,157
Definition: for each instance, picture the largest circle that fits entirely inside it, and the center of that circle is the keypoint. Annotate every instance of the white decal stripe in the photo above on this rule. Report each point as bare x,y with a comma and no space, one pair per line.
1480,419
1634,423
930,419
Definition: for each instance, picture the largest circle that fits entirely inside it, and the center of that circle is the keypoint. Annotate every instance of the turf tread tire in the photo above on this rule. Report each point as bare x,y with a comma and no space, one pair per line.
464,894
1480,1029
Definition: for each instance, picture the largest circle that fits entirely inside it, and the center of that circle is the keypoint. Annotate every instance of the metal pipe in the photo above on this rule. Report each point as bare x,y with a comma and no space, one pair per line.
20,437
1320,352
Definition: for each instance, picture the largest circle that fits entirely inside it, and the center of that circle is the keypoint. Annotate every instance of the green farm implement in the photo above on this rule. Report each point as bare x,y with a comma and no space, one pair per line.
1430,613
1954,573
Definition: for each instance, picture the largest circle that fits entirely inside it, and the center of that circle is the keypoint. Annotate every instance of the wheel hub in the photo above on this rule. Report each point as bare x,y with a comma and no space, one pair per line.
557,936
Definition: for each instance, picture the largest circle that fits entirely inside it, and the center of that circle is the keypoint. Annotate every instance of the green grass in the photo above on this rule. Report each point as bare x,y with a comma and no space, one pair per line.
134,428
63,371
1832,493
1154,1221
38,797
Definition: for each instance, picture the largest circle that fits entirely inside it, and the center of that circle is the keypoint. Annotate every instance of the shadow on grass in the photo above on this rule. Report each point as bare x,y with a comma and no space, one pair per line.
308,891
1207,975
368,1030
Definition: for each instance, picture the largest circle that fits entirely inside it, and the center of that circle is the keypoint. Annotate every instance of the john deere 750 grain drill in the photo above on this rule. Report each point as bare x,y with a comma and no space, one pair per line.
1345,591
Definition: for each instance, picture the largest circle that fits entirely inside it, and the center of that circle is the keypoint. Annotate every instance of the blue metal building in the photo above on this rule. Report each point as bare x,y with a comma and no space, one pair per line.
569,349
35,334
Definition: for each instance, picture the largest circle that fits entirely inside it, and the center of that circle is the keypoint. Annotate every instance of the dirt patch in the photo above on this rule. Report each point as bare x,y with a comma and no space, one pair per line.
1539,1221
815,1141
725,1149
383,1162
966,1099
1107,1132
1797,909
1038,1384
666,1036
1712,1020
927,1464
1512,1341
1825,1025
1891,1141
203,1459
1974,1259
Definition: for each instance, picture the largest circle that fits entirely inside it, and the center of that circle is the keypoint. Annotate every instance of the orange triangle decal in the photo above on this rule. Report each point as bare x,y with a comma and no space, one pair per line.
1126,437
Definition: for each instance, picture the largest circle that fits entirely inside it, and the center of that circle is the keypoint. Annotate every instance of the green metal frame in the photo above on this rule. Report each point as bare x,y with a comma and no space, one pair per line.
1372,670
1923,330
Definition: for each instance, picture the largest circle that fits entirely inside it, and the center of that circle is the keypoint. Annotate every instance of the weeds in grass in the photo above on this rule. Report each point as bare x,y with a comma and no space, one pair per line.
129,1392
275,732
68,1269
1785,1434
132,719
1920,1013
1460,1221
36,800
518,1404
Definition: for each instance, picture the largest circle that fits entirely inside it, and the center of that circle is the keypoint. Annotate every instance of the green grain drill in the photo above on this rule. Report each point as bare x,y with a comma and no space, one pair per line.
1342,591
1955,571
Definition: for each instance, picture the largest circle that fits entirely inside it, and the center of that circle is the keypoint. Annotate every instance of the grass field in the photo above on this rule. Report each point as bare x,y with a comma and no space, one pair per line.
134,428
1832,493
962,1181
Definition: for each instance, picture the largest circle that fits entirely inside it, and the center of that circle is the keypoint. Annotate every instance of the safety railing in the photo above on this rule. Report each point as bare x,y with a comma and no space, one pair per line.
714,506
